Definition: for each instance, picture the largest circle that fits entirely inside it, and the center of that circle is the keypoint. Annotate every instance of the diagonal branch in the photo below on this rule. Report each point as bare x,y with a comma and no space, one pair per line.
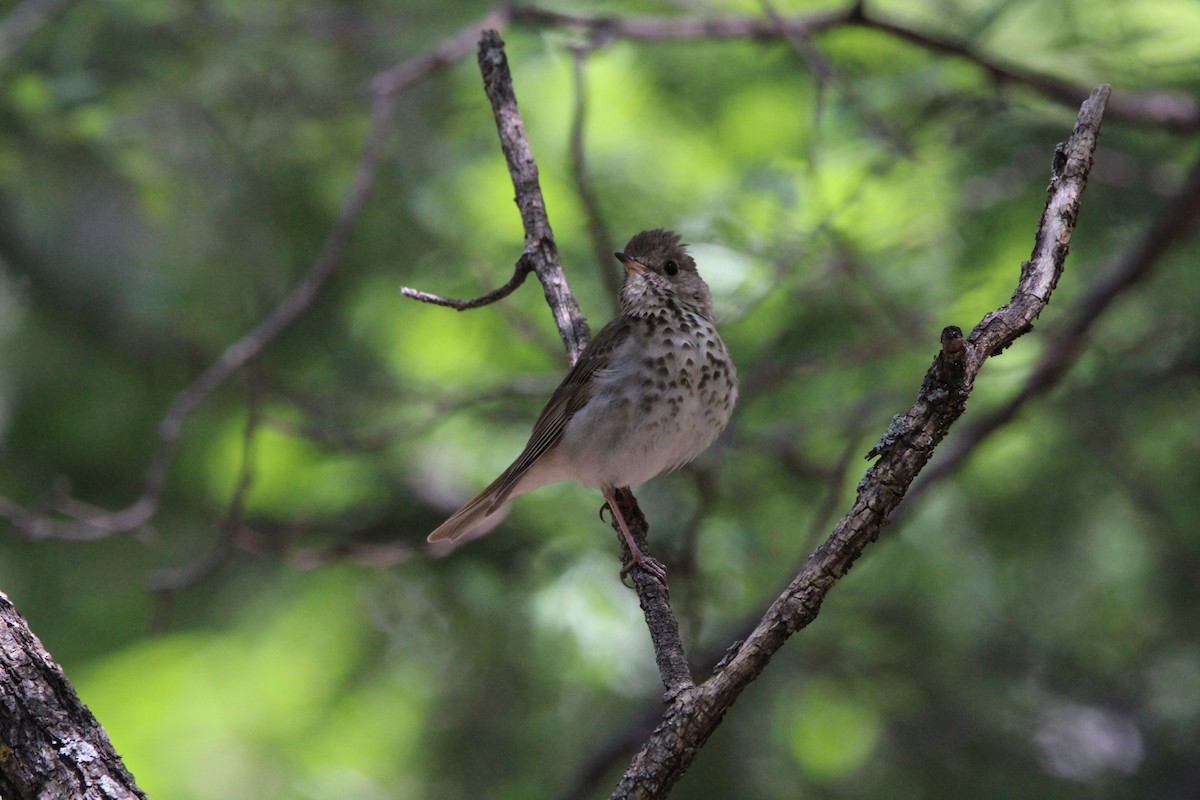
903,451
540,249
1175,226
51,744
1174,111
67,517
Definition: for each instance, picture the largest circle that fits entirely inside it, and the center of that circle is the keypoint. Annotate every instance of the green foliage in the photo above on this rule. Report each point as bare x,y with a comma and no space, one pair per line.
168,171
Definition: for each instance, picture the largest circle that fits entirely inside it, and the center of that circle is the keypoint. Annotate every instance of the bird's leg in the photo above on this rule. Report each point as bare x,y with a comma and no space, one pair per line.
648,563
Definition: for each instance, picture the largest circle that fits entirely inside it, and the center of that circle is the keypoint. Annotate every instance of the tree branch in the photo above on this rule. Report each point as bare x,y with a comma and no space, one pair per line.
542,254
1170,110
903,450
50,744
1173,111
1176,225
72,519
524,265
540,249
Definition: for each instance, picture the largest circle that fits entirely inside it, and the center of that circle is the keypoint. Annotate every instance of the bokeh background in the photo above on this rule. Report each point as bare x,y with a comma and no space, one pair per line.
169,169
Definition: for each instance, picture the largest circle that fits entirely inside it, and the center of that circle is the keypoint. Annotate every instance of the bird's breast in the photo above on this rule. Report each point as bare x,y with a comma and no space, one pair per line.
666,395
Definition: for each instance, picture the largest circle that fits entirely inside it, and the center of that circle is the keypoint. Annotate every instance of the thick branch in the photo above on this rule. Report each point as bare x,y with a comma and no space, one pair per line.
50,744
904,449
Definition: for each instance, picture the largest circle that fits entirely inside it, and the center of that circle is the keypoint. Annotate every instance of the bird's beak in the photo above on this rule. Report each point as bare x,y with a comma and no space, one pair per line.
631,263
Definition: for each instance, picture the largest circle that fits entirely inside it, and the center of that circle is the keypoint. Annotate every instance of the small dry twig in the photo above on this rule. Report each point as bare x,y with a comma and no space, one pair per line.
522,270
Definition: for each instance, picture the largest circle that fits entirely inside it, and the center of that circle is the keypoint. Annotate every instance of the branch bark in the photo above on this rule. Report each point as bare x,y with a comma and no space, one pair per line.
1175,226
903,450
50,744
540,248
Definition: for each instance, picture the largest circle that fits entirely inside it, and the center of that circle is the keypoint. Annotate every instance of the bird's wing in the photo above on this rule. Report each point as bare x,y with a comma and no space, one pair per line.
570,396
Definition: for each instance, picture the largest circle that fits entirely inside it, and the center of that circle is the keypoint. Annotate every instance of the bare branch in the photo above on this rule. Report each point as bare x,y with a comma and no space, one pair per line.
188,575
524,265
84,521
1174,111
52,745
903,451
654,599
449,52
1175,226
540,248
659,28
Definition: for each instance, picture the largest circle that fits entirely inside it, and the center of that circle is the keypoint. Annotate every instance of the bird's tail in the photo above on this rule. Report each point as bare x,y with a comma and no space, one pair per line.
477,515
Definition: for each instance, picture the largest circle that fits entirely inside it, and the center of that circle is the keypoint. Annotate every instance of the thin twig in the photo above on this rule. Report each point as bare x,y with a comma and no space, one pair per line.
522,270
654,598
903,451
176,579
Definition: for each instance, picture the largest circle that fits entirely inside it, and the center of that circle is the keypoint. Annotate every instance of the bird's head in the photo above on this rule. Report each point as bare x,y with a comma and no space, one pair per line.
658,272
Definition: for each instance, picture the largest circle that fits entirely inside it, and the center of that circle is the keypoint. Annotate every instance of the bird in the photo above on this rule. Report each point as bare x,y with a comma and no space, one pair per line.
648,394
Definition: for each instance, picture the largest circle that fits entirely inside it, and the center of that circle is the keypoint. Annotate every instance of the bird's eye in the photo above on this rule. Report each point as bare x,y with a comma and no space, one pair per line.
671,268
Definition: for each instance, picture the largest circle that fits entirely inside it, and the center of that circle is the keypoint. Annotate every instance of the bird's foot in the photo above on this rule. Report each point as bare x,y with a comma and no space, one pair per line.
649,564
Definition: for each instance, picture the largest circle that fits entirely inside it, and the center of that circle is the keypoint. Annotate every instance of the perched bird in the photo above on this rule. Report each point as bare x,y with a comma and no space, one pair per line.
651,392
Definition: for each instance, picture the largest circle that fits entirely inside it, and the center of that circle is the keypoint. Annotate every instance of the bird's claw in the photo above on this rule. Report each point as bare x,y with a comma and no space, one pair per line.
652,566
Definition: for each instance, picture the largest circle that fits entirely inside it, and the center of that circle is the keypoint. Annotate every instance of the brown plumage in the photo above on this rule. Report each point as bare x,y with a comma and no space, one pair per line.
651,392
